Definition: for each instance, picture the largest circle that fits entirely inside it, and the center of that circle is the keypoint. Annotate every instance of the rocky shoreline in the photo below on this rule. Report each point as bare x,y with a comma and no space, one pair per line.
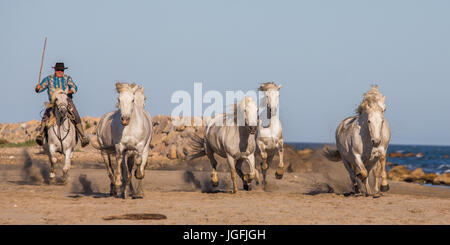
170,145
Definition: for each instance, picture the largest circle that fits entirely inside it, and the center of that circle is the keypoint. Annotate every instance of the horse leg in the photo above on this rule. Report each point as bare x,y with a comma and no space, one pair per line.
376,192
109,169
238,168
67,163
140,173
231,163
384,184
258,180
360,171
248,178
264,164
118,173
129,161
280,170
212,160
367,187
53,160
351,173
141,164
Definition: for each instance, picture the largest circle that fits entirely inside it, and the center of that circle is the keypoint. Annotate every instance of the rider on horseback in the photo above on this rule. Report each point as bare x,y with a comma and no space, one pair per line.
64,82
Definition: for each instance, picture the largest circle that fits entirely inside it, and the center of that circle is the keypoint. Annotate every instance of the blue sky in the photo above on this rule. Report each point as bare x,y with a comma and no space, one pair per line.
325,53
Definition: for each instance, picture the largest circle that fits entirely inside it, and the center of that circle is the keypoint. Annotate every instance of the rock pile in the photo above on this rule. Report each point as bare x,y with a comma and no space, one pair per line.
400,173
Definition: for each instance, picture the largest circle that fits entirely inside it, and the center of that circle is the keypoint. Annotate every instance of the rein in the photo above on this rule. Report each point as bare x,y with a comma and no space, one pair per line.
61,126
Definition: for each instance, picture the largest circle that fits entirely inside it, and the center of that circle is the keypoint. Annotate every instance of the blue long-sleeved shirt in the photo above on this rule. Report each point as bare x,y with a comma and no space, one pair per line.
52,82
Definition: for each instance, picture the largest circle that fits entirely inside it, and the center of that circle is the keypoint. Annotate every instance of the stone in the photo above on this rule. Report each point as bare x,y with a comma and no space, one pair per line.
416,176
429,178
172,152
305,151
395,154
442,179
398,173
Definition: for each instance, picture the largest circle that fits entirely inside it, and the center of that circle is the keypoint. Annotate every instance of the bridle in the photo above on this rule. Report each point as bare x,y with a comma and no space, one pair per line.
60,124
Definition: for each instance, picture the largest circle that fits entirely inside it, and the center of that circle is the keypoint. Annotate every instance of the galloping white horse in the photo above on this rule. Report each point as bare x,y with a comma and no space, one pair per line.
126,133
269,138
362,143
61,135
231,136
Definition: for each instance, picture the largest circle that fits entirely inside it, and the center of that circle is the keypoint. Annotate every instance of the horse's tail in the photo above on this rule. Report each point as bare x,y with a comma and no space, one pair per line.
197,147
332,155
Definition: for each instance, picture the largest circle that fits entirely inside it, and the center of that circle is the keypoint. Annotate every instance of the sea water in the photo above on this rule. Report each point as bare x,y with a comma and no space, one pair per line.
436,159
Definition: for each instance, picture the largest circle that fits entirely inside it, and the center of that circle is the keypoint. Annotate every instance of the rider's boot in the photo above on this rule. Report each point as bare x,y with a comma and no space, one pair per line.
41,134
83,138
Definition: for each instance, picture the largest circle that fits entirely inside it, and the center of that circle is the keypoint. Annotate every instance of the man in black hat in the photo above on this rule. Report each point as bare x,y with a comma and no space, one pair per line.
60,81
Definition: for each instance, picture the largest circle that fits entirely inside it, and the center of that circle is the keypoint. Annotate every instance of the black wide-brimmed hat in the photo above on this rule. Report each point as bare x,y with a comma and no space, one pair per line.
59,66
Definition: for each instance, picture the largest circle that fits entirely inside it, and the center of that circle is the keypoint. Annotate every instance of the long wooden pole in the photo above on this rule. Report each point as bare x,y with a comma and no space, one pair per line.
42,60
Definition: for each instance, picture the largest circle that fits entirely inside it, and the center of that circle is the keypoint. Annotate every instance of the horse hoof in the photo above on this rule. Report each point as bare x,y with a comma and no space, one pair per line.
112,190
52,181
138,174
384,188
138,196
214,183
64,178
117,188
248,187
361,177
63,182
377,195
279,174
248,178
264,167
39,140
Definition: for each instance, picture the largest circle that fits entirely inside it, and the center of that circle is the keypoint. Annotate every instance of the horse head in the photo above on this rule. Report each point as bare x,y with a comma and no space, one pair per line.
126,101
60,102
248,110
271,98
372,110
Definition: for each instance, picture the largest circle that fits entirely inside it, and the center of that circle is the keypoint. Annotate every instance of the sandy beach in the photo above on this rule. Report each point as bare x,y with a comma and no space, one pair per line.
185,196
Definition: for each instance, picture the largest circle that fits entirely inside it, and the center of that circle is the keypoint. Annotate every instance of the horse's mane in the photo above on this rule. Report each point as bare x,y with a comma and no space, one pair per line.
55,92
268,86
52,119
236,107
373,99
140,91
122,87
133,88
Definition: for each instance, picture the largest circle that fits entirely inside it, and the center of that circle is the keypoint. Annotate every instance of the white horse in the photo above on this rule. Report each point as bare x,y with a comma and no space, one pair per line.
61,135
362,143
231,136
269,138
126,133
